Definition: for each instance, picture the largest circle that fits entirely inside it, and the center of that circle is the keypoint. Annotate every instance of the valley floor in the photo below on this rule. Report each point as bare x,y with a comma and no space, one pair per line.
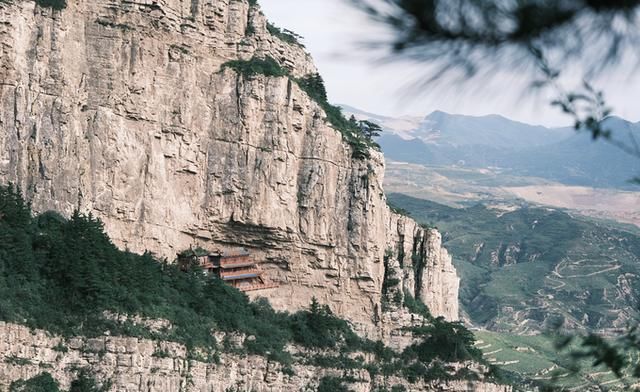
538,358
459,186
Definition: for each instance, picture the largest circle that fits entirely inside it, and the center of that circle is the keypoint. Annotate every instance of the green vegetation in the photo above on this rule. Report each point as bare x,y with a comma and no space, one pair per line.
532,269
449,342
17,360
85,382
525,358
55,4
359,134
354,132
332,384
43,382
416,306
63,275
252,3
40,383
320,328
285,35
257,66
395,388
390,281
122,26
250,29
536,263
397,210
61,348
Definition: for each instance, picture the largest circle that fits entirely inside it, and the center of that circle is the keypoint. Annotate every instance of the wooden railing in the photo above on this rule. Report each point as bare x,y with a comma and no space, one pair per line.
253,272
258,286
229,264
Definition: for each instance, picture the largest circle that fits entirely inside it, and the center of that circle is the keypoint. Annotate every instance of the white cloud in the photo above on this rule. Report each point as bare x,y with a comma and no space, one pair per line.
334,32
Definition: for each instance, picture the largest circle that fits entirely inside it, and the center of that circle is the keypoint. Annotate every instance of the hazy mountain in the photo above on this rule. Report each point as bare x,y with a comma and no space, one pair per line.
495,131
558,154
402,126
580,160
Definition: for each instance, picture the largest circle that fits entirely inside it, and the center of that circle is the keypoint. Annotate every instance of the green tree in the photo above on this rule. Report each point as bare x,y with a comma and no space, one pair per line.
319,327
40,383
448,341
85,382
370,129
332,384
314,86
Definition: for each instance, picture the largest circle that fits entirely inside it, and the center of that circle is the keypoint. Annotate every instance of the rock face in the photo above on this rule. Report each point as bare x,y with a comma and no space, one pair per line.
122,109
132,364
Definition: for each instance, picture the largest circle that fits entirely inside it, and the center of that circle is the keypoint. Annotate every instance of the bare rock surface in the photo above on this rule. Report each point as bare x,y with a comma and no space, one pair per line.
132,364
123,109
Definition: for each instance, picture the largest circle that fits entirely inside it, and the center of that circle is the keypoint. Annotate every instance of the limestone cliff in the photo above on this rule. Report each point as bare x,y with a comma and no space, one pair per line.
122,109
132,364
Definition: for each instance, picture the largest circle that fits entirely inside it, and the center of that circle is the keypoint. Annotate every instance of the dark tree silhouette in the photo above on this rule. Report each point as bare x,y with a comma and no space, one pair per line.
367,129
472,34
370,129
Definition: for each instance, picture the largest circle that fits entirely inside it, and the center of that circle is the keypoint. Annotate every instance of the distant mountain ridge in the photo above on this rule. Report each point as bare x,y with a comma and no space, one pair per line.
557,154
492,130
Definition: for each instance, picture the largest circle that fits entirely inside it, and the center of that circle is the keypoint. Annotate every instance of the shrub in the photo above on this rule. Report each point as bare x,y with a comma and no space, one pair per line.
341,361
356,133
414,372
319,328
257,66
285,35
86,383
61,348
55,4
416,306
252,3
446,341
62,275
250,29
351,129
398,210
40,383
332,384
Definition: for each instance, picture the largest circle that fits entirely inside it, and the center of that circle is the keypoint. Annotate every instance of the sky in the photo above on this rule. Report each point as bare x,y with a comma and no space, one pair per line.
335,34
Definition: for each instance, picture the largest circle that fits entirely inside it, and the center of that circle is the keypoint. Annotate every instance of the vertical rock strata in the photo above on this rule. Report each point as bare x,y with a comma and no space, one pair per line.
122,109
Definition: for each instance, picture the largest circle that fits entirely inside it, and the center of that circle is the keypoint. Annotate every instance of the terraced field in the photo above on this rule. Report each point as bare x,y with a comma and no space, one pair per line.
537,358
458,186
529,269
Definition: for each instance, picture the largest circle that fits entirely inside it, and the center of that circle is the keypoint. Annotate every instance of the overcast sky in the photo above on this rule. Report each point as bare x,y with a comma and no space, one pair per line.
333,32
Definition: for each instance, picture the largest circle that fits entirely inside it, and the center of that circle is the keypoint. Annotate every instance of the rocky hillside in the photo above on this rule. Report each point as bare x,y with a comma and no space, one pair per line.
124,109
533,268
90,313
133,364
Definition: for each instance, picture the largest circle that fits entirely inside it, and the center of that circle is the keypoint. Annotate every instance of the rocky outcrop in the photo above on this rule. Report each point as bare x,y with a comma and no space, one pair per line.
122,109
133,364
